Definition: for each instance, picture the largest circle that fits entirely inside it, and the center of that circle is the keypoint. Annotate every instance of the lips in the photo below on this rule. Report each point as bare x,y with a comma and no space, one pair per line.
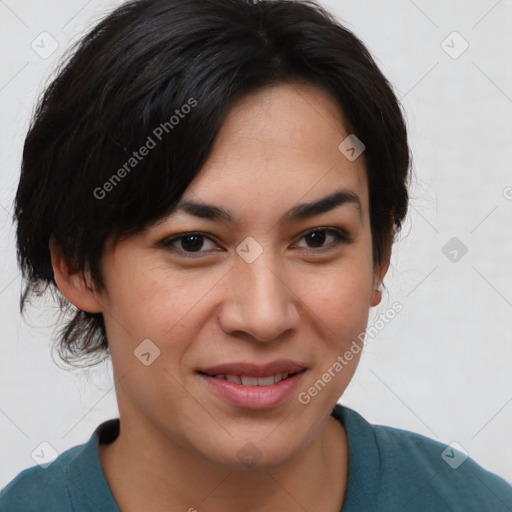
245,380
250,371
253,397
251,386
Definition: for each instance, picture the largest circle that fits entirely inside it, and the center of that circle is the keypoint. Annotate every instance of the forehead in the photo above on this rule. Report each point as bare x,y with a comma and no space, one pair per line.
280,140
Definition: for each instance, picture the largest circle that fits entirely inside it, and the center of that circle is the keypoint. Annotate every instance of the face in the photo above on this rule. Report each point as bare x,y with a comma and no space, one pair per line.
266,282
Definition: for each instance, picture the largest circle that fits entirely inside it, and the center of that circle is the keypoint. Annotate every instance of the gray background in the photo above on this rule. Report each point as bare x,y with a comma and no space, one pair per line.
442,367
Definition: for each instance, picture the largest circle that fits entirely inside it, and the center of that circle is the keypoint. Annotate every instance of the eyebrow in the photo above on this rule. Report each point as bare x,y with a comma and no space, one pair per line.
300,211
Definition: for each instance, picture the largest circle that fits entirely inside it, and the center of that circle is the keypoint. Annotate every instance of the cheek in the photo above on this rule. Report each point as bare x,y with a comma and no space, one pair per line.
339,302
339,306
339,297
158,304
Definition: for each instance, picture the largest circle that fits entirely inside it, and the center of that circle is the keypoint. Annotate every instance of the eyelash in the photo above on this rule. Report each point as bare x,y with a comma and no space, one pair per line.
341,236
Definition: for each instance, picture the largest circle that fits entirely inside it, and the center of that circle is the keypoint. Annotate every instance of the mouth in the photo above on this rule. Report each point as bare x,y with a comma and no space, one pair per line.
248,386
246,380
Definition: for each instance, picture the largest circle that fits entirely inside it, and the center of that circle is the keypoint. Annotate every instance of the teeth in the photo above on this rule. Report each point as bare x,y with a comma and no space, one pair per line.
249,381
253,381
233,378
265,381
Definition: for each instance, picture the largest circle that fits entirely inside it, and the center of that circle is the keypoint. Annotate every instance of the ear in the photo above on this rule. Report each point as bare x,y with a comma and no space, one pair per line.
381,270
71,283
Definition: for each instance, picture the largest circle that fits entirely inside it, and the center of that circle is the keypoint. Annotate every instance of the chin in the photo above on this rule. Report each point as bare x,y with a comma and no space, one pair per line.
256,454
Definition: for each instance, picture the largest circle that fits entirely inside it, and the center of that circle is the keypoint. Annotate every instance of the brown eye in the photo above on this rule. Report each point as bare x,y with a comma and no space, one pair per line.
316,238
189,244
192,242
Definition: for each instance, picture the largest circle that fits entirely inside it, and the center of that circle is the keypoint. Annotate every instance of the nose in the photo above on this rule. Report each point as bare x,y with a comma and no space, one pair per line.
259,301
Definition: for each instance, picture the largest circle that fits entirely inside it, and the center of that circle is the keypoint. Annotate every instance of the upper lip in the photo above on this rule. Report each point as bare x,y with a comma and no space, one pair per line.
254,370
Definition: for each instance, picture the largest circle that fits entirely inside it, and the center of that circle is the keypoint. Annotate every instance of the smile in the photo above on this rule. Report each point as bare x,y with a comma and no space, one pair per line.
253,381
248,392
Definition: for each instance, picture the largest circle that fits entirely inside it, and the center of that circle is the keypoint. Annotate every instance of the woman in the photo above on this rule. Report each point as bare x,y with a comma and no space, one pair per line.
213,187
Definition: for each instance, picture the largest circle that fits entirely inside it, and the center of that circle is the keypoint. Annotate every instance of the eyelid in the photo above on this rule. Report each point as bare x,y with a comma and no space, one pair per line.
341,237
342,233
168,241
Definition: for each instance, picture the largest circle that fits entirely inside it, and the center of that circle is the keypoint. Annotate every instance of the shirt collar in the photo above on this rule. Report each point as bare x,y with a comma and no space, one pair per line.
88,486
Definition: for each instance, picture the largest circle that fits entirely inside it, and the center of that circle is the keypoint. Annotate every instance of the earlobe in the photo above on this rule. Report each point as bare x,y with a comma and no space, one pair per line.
71,282
376,296
382,269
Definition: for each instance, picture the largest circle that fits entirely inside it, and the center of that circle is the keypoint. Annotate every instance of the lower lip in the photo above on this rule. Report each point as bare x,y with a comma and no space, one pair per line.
253,397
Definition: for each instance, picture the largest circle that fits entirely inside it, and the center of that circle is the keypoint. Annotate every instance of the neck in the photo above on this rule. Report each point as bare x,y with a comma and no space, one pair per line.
146,472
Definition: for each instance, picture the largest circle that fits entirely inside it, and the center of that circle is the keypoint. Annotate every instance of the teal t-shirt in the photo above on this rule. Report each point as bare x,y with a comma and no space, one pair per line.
389,470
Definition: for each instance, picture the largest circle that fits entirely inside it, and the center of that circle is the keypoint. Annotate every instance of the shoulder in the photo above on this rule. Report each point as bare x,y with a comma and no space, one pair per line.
73,482
416,473
41,489
440,473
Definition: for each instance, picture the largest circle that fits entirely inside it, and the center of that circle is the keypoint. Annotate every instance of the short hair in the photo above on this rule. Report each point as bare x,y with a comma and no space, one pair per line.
165,73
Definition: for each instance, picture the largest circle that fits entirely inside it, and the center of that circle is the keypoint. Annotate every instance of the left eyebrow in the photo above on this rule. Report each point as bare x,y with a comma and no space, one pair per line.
323,205
300,211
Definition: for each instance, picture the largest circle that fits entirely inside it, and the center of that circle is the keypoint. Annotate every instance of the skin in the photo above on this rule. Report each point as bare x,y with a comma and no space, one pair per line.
297,300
